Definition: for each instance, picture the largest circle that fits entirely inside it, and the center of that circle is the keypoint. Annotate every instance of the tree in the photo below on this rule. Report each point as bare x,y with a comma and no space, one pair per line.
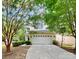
15,14
10,22
60,13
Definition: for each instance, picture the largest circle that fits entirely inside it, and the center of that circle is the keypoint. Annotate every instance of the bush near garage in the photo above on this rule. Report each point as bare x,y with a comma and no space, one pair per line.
18,43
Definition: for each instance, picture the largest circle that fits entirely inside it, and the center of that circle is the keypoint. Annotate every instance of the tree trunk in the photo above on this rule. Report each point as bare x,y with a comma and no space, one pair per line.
8,48
62,41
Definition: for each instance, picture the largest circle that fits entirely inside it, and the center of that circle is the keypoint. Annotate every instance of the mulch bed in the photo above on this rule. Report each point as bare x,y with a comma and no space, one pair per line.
70,50
16,53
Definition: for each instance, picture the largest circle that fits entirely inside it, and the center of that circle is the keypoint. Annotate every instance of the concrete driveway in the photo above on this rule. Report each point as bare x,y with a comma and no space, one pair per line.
48,52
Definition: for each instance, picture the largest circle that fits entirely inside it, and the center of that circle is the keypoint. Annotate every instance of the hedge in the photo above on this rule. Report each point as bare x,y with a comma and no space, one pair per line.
18,43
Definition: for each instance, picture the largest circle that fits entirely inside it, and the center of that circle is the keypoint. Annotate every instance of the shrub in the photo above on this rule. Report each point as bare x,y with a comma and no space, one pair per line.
18,43
28,42
55,42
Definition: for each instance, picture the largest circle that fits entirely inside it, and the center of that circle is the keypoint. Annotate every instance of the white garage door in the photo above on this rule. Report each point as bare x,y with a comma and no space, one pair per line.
41,39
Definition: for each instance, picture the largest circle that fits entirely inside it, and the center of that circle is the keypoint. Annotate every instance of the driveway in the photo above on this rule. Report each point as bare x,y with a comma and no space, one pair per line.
48,52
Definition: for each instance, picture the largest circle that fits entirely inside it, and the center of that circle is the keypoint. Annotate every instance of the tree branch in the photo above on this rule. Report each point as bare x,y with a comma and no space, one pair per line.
18,10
